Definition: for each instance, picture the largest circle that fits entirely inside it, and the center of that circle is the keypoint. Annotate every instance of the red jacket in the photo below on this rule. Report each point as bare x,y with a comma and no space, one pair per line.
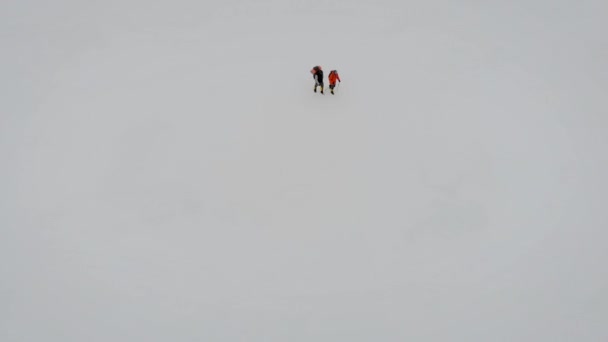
333,77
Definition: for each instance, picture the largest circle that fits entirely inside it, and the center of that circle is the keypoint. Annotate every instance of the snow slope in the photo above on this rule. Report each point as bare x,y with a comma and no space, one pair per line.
169,175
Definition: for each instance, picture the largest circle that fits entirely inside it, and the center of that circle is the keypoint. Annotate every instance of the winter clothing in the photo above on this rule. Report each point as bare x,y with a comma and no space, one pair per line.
333,77
317,74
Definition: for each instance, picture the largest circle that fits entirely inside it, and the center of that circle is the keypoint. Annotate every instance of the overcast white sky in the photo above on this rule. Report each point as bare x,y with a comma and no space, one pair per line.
167,173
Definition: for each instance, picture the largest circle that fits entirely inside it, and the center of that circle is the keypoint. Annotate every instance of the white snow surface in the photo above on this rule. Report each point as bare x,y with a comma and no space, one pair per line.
168,174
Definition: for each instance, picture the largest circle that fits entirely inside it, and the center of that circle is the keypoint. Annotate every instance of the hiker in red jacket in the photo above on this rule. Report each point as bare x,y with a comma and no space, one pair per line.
333,77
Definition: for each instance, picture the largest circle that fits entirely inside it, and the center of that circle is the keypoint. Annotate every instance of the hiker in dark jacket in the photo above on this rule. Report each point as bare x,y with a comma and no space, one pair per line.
317,74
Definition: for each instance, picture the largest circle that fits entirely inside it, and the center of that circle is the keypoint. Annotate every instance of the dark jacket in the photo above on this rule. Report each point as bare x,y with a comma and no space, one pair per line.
317,74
